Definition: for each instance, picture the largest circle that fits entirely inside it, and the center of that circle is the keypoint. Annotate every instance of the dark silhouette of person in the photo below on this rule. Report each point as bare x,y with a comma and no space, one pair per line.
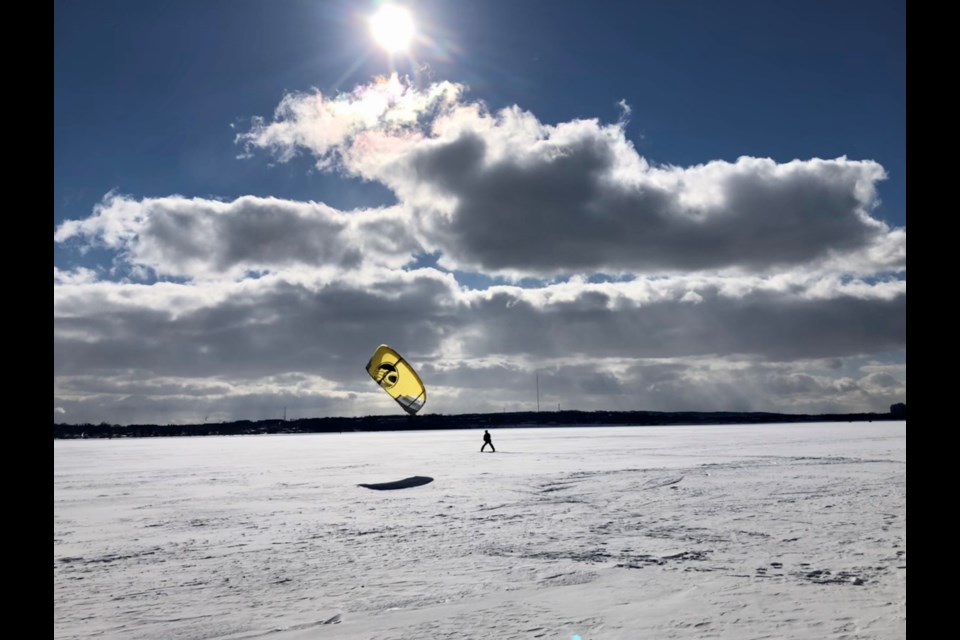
487,441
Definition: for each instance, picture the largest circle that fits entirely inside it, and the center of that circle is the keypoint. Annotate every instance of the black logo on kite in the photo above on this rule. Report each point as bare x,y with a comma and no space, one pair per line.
387,375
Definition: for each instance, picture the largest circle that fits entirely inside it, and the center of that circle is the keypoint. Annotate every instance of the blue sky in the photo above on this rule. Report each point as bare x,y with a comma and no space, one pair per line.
149,101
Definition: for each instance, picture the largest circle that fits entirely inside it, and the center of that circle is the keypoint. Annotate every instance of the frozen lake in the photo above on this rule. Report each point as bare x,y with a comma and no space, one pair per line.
760,531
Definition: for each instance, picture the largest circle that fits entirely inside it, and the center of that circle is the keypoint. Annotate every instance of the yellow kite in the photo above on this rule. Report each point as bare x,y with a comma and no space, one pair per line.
397,377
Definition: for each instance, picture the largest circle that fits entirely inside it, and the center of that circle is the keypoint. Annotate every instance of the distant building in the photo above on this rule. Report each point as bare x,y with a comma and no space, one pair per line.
899,410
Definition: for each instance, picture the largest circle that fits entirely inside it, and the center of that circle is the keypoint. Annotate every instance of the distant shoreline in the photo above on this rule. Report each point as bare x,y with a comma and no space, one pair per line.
527,419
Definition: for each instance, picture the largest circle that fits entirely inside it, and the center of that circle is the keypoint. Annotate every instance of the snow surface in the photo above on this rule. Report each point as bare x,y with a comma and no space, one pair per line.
760,531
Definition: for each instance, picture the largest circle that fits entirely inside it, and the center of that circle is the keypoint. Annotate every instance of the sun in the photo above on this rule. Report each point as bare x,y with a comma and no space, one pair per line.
392,28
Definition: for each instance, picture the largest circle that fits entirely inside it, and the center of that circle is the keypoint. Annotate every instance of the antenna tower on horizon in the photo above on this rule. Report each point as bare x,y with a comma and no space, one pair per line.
538,392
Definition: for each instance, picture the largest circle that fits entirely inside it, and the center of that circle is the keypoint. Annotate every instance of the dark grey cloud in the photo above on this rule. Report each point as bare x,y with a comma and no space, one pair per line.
125,385
565,212
700,384
208,238
503,192
191,344
768,324
256,330
253,233
251,331
158,408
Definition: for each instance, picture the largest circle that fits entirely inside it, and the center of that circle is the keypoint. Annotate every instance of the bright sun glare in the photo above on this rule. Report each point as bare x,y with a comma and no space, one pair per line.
392,28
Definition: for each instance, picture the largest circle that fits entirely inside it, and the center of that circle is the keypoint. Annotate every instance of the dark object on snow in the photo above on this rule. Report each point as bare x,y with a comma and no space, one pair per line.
406,483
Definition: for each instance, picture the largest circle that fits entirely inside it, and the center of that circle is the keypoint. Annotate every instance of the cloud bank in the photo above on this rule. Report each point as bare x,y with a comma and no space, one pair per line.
504,193
743,285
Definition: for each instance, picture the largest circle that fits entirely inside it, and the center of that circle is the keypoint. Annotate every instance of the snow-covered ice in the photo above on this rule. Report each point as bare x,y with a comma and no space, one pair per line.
760,531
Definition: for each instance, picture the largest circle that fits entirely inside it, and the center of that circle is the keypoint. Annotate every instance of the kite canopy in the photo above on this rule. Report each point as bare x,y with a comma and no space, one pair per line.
397,377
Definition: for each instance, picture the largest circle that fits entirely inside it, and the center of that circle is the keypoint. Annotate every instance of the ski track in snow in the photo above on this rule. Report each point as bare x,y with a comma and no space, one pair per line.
760,531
